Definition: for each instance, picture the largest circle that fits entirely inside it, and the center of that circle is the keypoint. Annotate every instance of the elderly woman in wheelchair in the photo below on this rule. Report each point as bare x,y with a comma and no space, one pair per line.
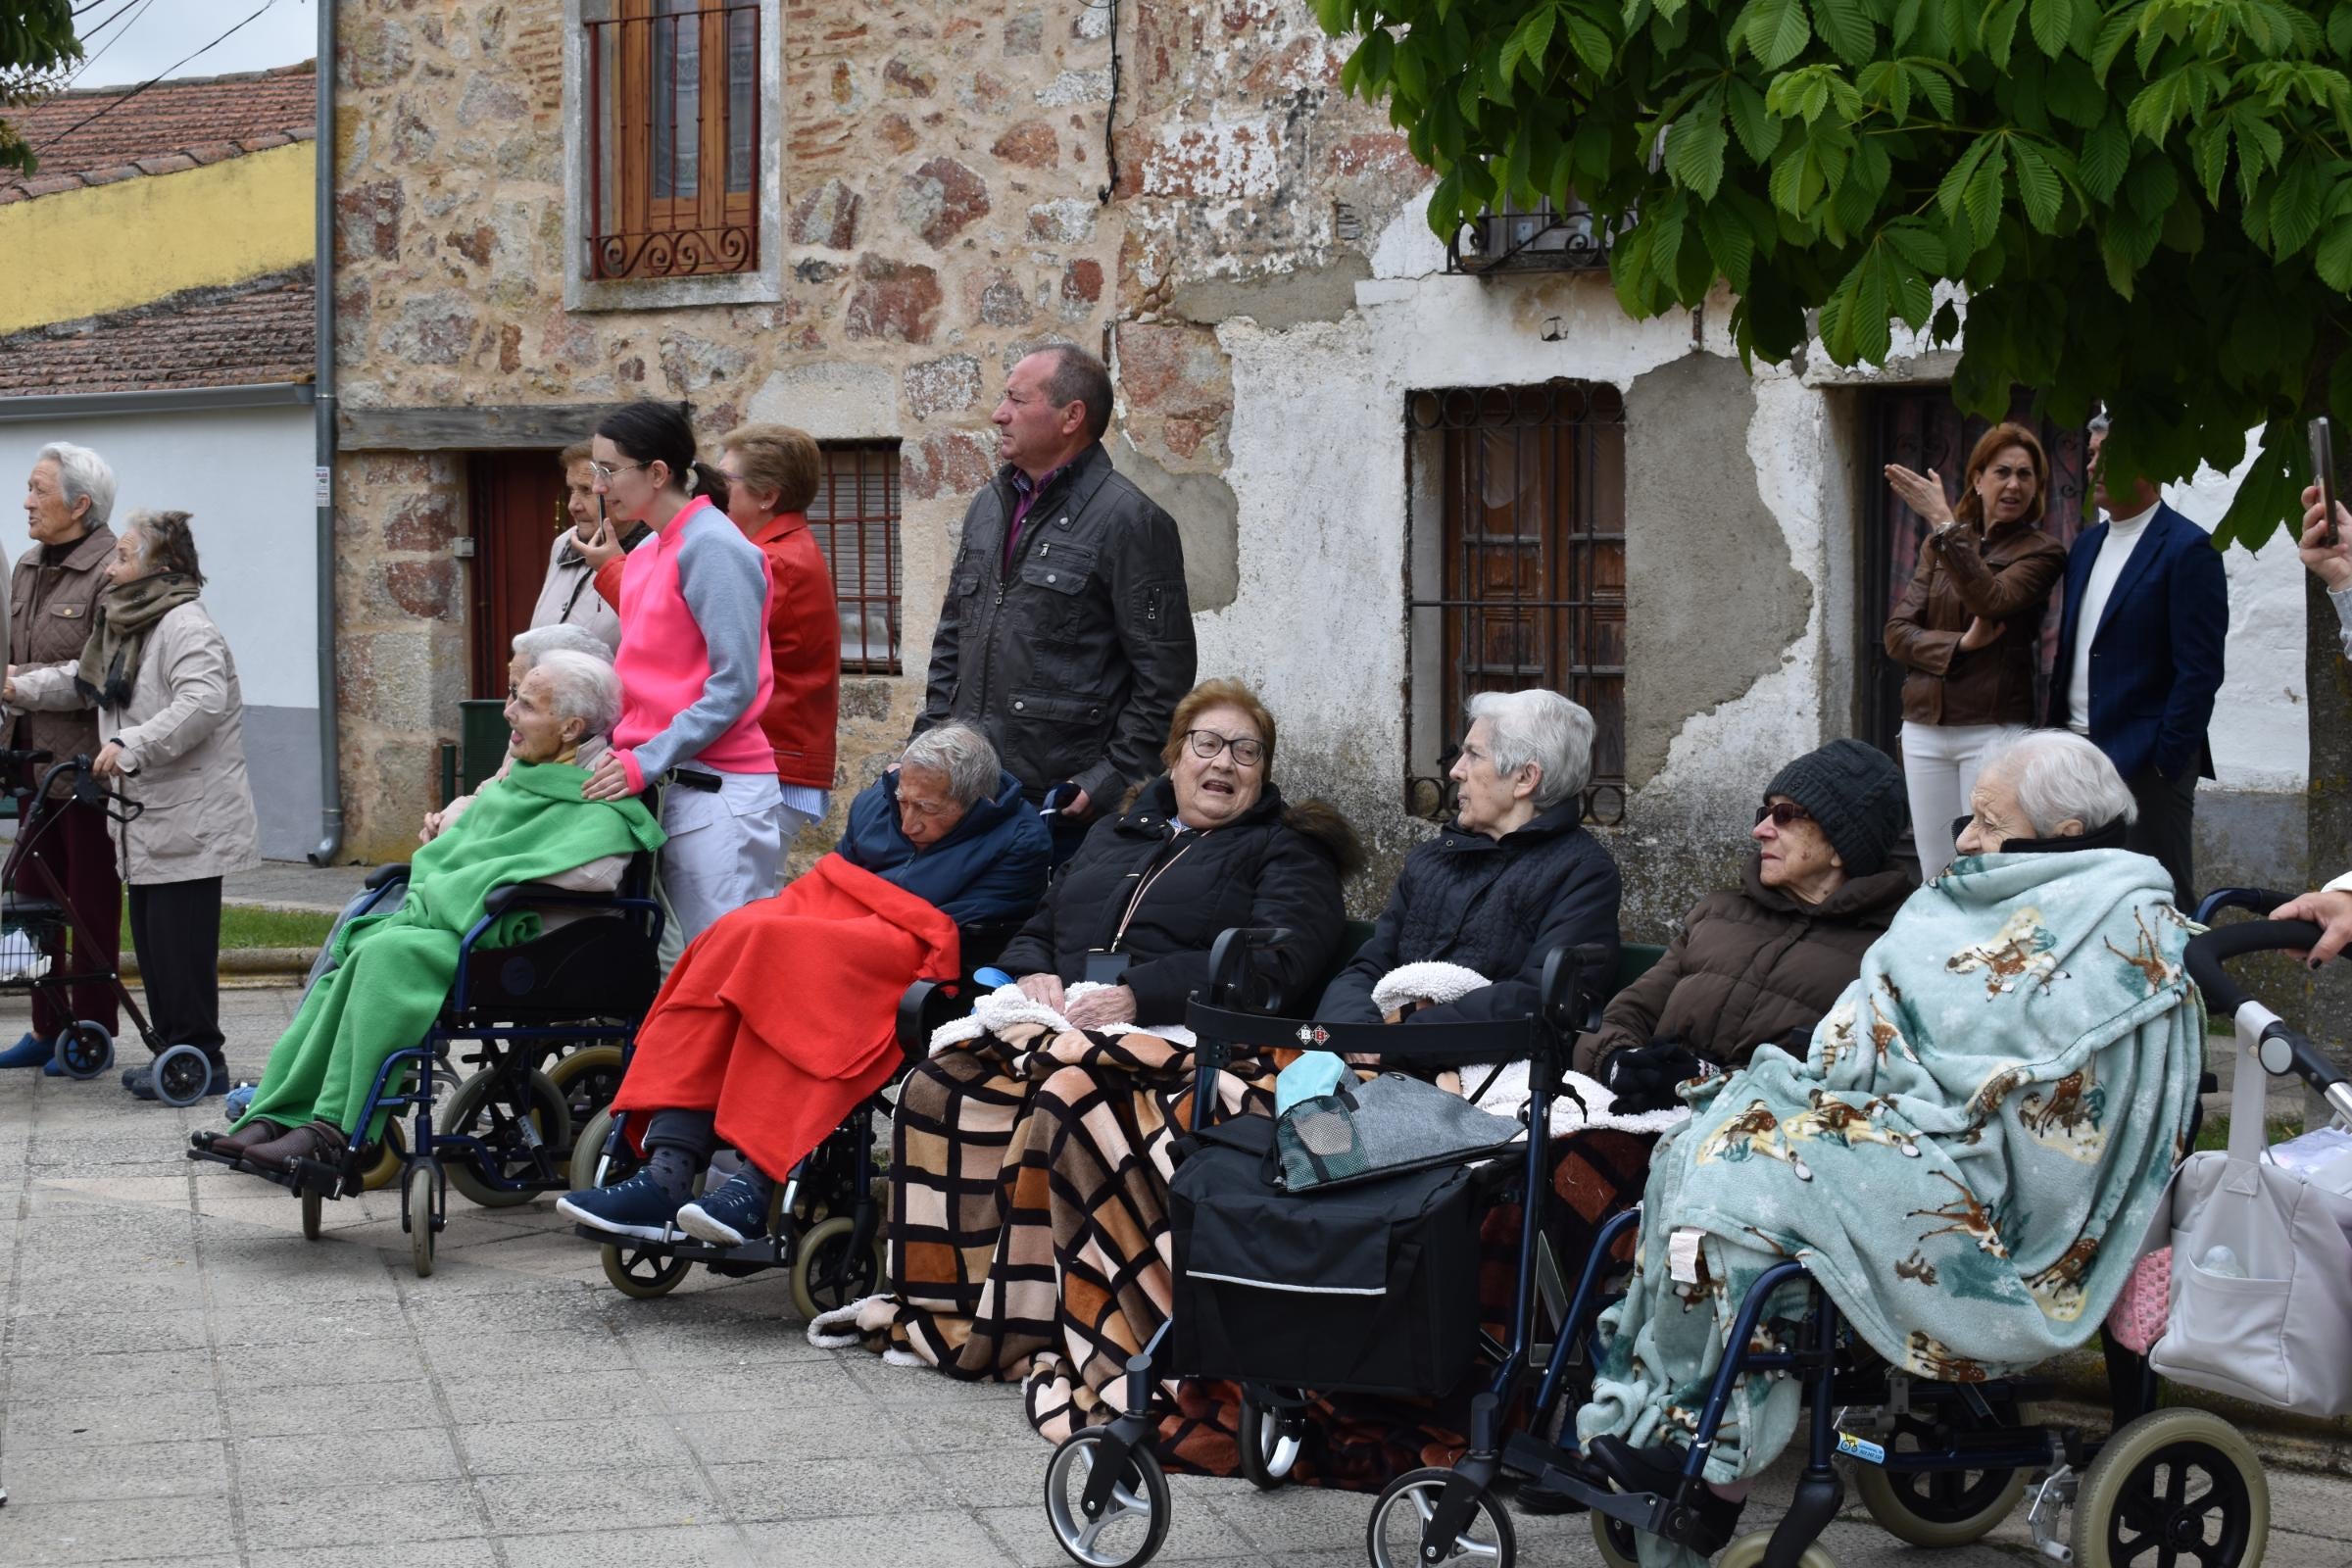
393,972
1959,1166
777,1023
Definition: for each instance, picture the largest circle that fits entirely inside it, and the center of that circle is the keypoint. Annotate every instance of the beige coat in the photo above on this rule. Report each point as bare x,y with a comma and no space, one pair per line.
182,736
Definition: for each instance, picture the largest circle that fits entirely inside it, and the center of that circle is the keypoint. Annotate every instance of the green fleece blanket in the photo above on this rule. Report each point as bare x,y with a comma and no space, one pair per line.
2001,1093
393,971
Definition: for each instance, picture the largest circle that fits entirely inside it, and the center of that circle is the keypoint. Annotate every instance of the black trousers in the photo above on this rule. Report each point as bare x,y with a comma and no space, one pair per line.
2167,828
76,849
175,930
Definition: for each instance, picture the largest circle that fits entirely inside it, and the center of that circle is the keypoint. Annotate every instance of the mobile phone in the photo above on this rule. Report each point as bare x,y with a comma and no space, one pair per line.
2322,475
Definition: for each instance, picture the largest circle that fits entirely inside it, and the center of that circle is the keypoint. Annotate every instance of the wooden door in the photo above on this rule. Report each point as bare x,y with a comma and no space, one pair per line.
517,504
1920,428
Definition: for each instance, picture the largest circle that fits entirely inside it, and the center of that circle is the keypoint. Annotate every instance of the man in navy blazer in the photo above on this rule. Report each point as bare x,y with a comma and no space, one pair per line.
2140,658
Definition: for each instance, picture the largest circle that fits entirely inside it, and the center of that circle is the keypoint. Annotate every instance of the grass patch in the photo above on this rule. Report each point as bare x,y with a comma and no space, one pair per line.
244,926
2215,1134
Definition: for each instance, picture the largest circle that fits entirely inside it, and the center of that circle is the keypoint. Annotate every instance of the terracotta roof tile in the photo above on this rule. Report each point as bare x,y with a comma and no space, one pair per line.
241,335
161,129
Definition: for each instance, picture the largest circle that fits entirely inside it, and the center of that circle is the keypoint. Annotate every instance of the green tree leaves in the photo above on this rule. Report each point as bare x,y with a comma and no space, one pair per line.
37,44
2141,202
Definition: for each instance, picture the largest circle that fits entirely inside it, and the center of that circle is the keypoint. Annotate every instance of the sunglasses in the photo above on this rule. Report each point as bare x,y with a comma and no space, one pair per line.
1783,814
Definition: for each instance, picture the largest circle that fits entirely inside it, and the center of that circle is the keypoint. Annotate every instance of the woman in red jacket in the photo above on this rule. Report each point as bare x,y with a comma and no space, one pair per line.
772,472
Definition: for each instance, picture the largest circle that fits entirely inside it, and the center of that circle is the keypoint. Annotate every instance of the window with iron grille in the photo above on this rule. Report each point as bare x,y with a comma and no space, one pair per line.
674,137
856,520
1517,569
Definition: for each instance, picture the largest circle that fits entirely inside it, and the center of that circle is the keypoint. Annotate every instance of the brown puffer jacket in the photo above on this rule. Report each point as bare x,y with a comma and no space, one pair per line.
1748,967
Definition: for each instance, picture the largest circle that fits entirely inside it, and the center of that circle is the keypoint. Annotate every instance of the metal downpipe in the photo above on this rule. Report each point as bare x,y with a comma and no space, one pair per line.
323,419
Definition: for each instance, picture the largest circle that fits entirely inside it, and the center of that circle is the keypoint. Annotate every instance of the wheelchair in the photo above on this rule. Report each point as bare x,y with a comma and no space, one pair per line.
32,923
1106,1493
1936,1464
828,1222
568,1001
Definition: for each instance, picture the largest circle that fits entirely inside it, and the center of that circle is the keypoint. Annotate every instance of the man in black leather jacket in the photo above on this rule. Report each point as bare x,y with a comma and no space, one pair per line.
1066,636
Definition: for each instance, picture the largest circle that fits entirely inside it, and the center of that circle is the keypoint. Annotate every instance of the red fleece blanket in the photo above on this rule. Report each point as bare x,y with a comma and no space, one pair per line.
779,1018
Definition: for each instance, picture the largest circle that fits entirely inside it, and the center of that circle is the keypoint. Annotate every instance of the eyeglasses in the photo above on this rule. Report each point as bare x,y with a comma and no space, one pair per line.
1783,814
1247,753
610,471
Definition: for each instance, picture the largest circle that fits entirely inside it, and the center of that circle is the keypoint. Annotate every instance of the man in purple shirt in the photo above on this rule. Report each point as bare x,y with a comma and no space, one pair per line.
1066,636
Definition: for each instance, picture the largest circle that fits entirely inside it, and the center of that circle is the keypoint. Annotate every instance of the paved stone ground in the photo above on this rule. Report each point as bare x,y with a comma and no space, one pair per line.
186,1381
296,885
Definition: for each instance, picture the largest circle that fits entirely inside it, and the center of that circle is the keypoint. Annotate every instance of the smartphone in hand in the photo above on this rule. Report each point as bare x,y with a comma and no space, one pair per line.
2322,475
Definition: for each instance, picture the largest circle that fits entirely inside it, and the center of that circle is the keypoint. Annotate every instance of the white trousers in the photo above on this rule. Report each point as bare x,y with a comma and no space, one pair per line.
1939,770
725,850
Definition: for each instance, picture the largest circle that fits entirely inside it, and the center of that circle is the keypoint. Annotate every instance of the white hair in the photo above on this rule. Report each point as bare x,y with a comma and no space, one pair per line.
82,475
962,755
1542,727
536,644
581,687
2057,774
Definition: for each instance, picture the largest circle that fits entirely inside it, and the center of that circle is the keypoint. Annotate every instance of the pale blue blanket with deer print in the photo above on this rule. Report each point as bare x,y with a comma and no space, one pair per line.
1966,1158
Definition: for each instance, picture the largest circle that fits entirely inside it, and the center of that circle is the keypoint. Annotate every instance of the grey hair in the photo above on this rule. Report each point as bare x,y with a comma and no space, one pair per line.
583,687
2099,424
82,475
2058,774
960,753
534,644
1545,728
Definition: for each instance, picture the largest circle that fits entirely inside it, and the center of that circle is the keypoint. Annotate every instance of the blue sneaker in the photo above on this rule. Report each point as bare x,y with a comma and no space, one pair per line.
30,1051
734,1214
636,1208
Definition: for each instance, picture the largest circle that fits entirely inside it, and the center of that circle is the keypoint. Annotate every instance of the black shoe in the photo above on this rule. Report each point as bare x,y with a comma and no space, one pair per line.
1657,1470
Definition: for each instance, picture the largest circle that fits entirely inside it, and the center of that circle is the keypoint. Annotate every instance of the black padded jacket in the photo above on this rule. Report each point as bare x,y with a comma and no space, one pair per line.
1277,866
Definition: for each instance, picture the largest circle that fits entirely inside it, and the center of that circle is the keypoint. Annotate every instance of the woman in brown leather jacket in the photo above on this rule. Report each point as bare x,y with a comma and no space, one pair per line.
1969,627
67,498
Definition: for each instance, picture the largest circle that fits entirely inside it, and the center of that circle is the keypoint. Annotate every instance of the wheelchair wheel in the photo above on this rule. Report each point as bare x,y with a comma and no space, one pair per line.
639,1270
84,1050
2184,1482
417,1213
313,1208
1614,1539
587,1079
1748,1550
825,1275
1410,1502
391,1157
483,1108
1939,1508
181,1075
1133,1523
1269,1447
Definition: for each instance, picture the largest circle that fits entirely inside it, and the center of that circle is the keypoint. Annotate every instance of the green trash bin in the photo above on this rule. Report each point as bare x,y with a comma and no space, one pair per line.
483,741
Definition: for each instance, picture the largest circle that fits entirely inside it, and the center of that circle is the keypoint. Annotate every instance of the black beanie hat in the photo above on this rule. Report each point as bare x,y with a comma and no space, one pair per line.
1855,792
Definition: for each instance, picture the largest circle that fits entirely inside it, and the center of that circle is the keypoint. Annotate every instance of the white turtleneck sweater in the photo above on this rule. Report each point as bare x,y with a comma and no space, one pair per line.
2115,552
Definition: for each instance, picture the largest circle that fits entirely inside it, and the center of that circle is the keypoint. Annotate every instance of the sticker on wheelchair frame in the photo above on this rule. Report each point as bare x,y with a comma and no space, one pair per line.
1861,1448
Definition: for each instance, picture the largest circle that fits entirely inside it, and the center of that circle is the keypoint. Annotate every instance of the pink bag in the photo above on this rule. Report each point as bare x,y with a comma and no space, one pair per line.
2138,1316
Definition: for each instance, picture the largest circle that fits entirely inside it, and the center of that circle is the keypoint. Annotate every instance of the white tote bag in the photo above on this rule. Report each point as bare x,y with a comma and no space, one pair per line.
2281,1335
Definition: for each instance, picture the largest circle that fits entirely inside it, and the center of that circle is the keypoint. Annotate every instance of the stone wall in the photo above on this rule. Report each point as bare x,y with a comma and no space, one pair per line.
943,166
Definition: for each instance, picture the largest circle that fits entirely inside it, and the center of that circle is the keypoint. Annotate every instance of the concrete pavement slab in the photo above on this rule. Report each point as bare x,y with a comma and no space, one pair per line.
173,1529
301,1462
385,1511
191,1416
680,1547
523,1504
926,1538
43,1473
589,1439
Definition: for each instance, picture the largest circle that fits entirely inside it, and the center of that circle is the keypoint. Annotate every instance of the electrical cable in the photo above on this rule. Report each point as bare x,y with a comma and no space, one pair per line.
113,104
1111,111
90,60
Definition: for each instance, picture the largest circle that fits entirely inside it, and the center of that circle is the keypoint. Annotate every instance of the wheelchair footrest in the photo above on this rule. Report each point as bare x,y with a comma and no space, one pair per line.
768,1252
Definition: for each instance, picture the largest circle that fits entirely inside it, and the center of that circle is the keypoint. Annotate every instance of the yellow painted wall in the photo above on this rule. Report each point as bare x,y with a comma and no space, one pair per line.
86,251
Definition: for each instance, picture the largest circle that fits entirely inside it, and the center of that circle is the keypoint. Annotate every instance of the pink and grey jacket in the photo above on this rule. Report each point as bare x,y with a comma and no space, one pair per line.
695,674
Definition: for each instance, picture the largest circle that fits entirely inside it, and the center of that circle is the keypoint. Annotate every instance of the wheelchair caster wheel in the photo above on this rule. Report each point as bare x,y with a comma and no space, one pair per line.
422,1199
313,1208
181,1075
1270,1445
1748,1550
84,1050
2184,1482
642,1271
1614,1540
1394,1537
825,1275
391,1158
1134,1522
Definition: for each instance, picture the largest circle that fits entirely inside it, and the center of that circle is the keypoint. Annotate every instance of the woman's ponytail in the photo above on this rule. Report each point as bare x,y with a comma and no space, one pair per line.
710,485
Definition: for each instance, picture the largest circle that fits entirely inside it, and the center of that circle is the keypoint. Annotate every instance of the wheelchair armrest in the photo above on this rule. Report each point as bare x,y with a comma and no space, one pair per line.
1569,987
2254,900
385,875
925,1005
501,898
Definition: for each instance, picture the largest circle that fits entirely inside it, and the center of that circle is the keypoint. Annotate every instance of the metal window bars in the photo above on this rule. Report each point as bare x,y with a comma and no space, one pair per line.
1511,237
1525,585
673,138
854,519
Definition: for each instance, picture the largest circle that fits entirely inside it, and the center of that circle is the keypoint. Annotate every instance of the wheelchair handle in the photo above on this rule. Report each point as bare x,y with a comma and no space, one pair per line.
2254,900
1564,971
1229,962
2282,1048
